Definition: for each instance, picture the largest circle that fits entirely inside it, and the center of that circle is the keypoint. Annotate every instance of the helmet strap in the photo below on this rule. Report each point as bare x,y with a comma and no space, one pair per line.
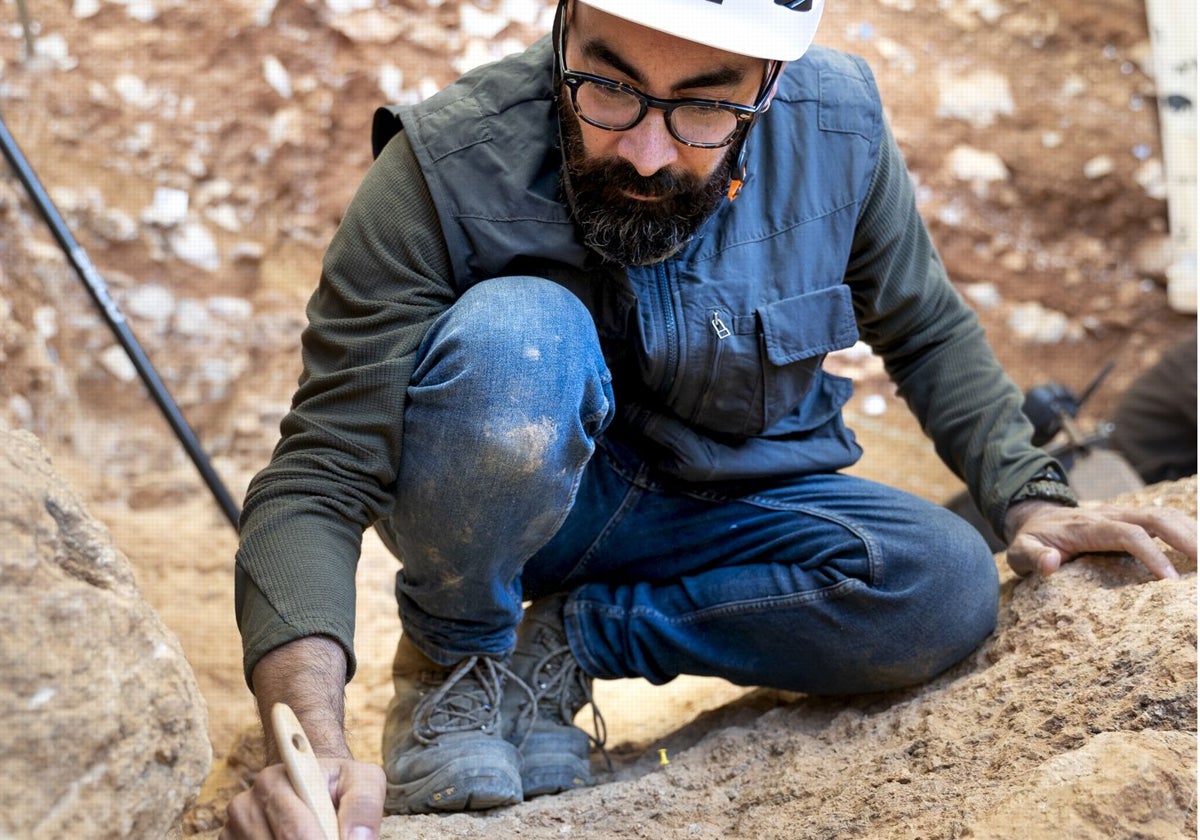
740,173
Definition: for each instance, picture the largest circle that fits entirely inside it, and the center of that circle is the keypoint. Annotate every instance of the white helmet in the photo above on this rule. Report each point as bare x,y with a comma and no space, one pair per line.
779,30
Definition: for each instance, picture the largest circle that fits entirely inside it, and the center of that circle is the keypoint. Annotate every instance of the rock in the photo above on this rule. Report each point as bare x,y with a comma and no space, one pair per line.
134,91
978,97
970,164
1119,784
1033,322
194,244
151,303
370,26
1098,167
277,76
85,8
105,730
168,208
116,361
983,295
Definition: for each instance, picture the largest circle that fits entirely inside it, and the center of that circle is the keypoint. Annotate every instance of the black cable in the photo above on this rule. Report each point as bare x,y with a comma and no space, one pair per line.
116,321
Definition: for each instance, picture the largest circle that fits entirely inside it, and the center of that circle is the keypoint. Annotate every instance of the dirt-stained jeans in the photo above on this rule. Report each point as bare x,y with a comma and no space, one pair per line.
511,490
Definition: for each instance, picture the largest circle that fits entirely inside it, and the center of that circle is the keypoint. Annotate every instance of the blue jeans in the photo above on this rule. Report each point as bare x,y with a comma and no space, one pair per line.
510,490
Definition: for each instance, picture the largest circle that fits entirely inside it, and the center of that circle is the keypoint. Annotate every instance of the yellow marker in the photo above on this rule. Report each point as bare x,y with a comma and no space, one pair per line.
662,757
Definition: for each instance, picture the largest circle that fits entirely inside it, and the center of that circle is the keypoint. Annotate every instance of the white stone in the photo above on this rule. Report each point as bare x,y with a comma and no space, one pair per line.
134,91
427,88
45,321
247,251
191,318
971,164
230,308
115,225
263,12
391,82
477,23
1073,86
85,8
371,26
116,361
527,12
345,7
224,216
874,405
288,127
977,98
277,76
168,208
1033,322
142,11
21,409
193,244
1098,167
151,303
983,295
989,10
1151,177
53,47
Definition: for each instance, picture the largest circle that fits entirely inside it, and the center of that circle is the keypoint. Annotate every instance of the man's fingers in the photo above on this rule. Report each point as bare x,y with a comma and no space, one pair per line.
270,810
1140,525
1050,537
360,794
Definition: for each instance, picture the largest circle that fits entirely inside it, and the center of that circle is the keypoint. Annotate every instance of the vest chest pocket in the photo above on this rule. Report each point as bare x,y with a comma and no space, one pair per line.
761,364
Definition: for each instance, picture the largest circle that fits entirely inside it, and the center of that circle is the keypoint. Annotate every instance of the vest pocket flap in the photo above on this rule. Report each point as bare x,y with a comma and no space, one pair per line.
809,325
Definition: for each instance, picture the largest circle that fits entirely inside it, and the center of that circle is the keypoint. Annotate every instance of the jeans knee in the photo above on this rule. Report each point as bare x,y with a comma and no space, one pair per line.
520,319
513,371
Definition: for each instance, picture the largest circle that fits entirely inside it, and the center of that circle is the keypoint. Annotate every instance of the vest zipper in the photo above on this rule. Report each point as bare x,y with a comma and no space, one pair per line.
670,331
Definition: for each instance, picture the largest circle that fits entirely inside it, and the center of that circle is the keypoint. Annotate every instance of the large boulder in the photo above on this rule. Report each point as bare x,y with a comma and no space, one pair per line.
105,730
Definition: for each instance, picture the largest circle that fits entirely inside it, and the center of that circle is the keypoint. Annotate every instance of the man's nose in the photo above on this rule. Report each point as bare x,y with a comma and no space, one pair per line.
649,146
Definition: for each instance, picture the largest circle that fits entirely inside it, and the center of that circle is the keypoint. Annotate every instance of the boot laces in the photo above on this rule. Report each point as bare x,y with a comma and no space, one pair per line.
560,688
468,700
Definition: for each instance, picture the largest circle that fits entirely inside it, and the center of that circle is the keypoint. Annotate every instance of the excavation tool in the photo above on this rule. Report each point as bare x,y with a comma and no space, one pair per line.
302,767
116,321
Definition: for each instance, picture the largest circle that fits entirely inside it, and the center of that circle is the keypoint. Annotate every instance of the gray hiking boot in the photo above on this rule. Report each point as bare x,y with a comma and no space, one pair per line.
443,749
554,752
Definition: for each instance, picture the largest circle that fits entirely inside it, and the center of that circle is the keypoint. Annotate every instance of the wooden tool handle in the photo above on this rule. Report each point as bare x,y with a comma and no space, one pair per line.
306,774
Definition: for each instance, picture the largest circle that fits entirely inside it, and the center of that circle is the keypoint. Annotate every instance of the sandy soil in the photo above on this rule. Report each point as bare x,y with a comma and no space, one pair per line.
127,98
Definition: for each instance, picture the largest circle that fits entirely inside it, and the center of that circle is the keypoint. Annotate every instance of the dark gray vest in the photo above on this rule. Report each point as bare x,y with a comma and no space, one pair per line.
716,353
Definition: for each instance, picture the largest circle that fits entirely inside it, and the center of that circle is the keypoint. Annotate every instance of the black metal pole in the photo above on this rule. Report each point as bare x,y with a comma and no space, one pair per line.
116,322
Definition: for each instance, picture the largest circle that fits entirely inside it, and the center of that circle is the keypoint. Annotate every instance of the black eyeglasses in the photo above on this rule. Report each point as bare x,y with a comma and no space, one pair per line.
616,106
704,123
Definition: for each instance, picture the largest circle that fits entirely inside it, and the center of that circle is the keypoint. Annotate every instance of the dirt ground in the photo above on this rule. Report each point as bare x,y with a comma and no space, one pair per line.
259,112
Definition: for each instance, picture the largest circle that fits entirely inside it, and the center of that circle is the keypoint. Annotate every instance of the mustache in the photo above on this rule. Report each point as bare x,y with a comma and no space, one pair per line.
620,176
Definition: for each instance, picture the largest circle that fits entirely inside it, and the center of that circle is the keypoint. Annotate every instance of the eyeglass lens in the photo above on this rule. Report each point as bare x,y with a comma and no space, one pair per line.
615,108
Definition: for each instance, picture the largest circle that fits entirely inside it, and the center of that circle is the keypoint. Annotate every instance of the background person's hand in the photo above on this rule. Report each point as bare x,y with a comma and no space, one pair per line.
271,809
1043,535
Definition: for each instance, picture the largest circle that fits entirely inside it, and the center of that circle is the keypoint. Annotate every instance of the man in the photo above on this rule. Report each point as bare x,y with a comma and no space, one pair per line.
1154,425
590,379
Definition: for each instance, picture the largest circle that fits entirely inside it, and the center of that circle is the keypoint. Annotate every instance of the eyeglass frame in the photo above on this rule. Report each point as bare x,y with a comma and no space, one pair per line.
745,114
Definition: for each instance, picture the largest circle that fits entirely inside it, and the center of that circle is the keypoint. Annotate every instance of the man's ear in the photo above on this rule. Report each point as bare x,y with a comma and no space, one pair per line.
775,85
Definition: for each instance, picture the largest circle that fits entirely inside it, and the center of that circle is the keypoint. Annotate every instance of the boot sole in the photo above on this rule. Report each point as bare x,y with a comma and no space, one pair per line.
552,762
488,778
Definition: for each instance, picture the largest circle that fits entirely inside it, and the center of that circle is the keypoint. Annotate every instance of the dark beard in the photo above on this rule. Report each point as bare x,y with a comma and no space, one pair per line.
624,230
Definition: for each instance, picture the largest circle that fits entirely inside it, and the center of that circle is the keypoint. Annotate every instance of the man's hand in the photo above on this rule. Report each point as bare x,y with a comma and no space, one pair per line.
1043,535
309,675
271,810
